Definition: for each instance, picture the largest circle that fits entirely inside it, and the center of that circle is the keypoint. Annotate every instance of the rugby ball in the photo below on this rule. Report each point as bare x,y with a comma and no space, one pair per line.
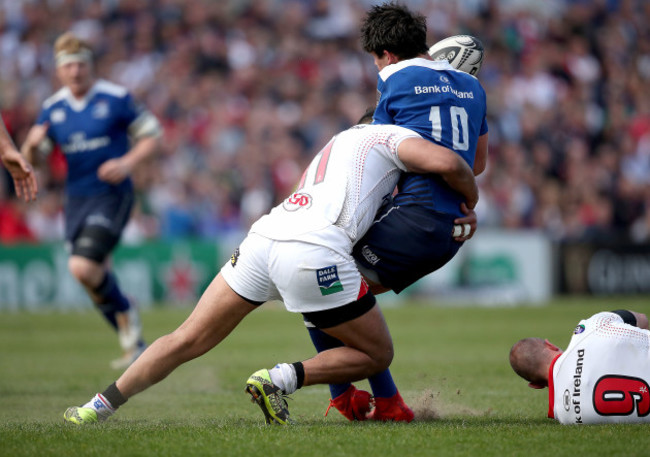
464,52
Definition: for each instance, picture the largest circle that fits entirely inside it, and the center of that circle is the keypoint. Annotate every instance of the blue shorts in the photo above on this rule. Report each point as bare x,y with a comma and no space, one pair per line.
406,243
93,225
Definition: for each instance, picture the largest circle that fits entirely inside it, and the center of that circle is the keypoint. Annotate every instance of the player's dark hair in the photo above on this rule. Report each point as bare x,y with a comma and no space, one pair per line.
628,317
392,27
367,117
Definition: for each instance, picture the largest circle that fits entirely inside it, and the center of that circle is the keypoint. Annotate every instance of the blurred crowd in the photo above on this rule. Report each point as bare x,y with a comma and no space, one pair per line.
249,90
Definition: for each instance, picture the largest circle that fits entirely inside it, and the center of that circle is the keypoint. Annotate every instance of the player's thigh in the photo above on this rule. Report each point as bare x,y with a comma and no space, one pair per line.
247,271
219,310
368,333
314,278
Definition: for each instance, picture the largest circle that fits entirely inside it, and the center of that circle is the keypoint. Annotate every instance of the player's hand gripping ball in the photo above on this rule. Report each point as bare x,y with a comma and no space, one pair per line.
464,52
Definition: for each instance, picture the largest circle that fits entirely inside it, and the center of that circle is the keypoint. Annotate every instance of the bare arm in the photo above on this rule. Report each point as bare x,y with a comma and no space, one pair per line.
480,158
114,171
422,156
18,167
146,134
30,148
6,144
480,162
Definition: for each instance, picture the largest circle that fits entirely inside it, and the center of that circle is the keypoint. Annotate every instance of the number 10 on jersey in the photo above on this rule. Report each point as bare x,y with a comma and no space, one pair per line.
459,126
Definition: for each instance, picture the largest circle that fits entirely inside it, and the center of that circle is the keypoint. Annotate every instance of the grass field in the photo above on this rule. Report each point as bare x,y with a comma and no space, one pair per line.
450,365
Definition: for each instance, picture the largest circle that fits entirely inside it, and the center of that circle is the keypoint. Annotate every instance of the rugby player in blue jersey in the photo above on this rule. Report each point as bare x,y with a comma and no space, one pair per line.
104,135
414,234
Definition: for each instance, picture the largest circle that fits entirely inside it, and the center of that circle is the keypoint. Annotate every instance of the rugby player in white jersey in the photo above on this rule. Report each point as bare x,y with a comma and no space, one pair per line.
413,235
602,377
300,253
104,135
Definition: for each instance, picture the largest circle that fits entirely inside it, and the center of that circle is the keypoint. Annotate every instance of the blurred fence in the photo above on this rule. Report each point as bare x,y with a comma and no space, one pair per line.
604,268
495,268
34,277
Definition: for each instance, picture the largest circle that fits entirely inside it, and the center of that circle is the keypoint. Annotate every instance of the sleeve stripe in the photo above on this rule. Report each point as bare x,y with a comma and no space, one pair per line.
146,124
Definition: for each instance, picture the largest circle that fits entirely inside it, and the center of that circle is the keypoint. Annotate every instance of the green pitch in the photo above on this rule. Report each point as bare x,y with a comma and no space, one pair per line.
451,366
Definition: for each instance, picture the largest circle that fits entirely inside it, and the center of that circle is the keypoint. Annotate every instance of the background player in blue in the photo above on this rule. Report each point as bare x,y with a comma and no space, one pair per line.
104,135
448,107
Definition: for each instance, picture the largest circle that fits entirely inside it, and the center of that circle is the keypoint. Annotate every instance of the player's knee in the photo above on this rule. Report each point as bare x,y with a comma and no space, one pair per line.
380,355
94,243
86,271
383,357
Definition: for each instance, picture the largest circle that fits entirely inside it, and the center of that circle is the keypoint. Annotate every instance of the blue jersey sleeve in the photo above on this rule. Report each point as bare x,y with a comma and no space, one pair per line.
43,117
130,110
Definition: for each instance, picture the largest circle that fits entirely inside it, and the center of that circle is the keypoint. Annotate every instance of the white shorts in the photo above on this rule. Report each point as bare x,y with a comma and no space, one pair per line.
306,277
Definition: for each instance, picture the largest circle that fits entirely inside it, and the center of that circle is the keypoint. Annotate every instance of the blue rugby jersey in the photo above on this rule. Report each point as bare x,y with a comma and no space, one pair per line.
444,105
91,131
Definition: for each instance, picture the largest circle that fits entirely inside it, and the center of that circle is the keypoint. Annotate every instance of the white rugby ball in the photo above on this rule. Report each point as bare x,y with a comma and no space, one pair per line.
464,52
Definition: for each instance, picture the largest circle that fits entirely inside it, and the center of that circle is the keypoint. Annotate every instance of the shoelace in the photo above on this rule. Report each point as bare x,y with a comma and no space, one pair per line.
328,408
372,403
281,401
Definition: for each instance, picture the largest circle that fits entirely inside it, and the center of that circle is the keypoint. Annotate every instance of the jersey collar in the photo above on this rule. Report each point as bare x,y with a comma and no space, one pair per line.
388,70
551,388
79,104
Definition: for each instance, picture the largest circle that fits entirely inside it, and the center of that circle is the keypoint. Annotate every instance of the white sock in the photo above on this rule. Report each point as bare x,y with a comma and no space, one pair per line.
132,332
284,376
102,406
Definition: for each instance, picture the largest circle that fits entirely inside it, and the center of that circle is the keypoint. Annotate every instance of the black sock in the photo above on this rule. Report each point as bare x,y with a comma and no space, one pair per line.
300,374
114,396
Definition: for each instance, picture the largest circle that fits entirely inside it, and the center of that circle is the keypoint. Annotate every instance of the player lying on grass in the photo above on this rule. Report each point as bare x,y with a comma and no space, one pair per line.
603,375
413,234
300,253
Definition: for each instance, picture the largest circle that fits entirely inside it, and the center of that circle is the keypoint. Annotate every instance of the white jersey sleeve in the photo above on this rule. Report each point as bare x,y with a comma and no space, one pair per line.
603,375
341,190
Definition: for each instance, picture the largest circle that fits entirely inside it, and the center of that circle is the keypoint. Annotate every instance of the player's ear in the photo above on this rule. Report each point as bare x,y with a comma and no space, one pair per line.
391,58
551,346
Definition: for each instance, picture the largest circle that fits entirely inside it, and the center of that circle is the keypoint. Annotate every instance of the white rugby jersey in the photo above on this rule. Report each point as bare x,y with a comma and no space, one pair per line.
339,194
603,375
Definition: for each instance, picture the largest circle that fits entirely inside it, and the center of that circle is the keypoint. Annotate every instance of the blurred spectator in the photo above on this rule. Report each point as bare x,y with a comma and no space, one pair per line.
46,222
248,90
13,228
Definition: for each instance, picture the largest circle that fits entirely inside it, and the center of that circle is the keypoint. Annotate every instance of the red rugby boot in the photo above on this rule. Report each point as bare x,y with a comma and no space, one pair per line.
391,409
354,404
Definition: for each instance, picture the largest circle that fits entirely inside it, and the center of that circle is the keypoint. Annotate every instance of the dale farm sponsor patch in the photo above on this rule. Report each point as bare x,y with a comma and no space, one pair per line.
328,280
